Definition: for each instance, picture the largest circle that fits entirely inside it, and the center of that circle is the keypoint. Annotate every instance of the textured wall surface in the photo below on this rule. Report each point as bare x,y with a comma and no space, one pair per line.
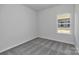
17,25
47,23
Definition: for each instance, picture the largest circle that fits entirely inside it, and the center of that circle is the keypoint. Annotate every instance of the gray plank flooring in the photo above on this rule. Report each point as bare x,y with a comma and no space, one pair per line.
40,46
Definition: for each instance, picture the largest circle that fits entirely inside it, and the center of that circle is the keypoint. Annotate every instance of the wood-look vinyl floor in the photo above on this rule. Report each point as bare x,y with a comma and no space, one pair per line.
40,46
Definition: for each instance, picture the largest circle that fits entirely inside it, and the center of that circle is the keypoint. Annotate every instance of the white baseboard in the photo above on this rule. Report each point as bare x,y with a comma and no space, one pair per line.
55,40
16,45
29,40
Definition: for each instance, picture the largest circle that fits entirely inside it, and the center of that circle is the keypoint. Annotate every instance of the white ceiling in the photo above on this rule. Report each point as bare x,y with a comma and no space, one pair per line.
38,7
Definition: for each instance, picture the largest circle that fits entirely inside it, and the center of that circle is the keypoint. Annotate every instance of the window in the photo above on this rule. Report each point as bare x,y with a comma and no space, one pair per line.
63,23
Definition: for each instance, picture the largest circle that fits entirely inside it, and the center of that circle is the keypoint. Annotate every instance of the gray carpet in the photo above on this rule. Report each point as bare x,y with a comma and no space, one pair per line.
40,46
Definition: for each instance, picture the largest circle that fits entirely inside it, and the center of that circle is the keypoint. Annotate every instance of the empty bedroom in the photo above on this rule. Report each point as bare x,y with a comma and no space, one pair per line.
39,29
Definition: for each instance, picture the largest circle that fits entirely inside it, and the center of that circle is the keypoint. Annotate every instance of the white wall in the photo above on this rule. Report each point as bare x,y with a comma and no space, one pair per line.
17,25
47,23
77,26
